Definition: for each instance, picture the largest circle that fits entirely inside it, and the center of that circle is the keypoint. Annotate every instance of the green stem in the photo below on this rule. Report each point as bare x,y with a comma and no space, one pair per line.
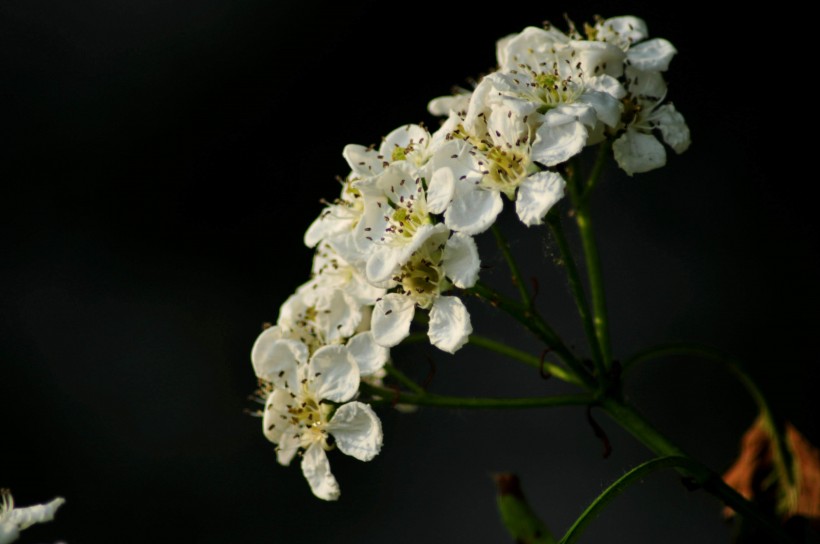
513,353
516,274
583,218
597,169
533,322
710,481
782,457
403,379
616,488
576,287
426,399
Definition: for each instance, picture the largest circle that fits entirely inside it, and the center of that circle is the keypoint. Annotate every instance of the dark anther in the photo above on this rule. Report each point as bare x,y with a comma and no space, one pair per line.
599,433
266,325
429,378
541,370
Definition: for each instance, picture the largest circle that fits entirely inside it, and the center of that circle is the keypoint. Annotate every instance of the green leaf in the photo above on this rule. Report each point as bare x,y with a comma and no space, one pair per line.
519,519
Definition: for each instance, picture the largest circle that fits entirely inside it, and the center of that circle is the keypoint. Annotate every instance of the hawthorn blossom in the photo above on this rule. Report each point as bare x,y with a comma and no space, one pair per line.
466,185
13,520
300,412
437,265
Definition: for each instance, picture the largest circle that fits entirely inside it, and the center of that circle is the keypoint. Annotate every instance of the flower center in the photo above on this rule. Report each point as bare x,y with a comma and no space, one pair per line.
309,416
506,171
422,279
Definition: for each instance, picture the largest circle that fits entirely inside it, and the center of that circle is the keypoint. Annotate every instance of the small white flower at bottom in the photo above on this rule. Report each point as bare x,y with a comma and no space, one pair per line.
13,520
297,417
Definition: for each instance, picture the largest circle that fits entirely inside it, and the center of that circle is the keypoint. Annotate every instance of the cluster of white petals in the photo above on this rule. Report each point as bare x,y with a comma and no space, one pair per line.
13,520
399,237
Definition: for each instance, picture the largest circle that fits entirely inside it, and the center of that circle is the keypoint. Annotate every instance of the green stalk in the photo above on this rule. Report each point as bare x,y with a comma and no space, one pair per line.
517,280
533,322
426,399
513,353
577,288
403,379
583,219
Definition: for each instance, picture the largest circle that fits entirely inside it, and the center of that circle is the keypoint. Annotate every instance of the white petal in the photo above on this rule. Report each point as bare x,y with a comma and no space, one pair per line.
606,84
391,319
289,444
599,58
626,29
450,325
537,194
402,137
276,406
556,144
440,190
645,85
276,360
24,518
473,209
673,127
636,152
381,264
357,430
8,532
443,105
323,227
332,374
460,260
607,107
338,314
364,161
316,469
652,55
369,356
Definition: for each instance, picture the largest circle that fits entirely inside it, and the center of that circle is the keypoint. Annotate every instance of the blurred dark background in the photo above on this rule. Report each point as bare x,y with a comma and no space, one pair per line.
161,162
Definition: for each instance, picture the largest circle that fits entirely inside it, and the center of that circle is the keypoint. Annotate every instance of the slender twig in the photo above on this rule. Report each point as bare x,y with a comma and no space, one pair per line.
513,353
576,286
442,401
513,266
593,260
403,379
533,322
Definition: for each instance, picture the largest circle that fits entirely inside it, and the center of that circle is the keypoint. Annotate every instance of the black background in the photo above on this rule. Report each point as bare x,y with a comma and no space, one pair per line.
161,162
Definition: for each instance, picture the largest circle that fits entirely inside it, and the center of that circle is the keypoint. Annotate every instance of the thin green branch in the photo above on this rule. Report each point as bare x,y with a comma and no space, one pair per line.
535,324
426,399
597,169
527,358
616,488
783,457
576,287
403,379
583,219
517,280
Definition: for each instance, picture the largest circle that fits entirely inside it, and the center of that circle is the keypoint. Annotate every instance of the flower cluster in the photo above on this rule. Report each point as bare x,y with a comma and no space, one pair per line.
13,520
399,237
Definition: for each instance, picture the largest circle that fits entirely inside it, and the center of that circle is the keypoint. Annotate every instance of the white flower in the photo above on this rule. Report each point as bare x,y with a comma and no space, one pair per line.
319,316
13,520
444,105
339,225
637,150
397,219
471,175
297,416
331,271
428,273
